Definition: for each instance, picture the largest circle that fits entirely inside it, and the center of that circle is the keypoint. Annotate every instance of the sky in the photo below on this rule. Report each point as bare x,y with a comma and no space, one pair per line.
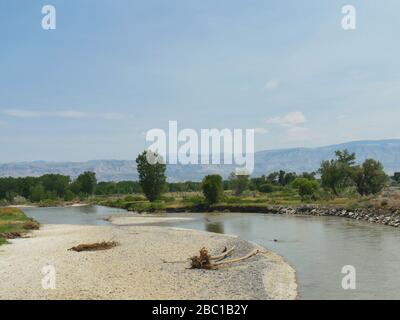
112,70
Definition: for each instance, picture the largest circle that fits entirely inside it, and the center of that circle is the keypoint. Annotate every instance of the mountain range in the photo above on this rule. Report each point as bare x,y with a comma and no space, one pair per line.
293,160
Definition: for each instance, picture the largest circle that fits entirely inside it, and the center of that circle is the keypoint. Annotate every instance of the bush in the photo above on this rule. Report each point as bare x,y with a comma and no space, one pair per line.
266,188
134,198
145,206
69,196
306,188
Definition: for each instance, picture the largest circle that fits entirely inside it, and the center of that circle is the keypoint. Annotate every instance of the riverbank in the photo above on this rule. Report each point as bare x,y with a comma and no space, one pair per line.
14,224
386,216
145,265
389,216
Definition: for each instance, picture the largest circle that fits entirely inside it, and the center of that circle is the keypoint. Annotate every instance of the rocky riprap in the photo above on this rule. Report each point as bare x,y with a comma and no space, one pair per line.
386,216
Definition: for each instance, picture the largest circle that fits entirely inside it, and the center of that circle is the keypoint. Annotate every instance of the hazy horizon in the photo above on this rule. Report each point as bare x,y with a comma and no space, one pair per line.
277,149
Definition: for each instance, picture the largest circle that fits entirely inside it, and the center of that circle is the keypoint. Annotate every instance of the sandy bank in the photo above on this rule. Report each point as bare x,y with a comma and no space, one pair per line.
139,220
136,269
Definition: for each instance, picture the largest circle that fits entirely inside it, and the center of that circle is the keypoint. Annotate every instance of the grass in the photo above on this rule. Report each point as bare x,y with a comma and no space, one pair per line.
14,223
253,200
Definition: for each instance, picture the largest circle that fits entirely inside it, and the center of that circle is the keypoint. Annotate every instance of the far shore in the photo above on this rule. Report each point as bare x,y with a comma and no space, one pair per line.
22,206
149,263
389,216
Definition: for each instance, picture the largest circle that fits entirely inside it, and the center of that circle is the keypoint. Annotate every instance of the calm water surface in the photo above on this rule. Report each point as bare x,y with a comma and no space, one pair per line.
317,247
86,215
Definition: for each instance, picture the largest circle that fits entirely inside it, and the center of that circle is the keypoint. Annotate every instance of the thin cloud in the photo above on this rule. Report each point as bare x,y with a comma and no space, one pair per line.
66,114
272,85
289,120
111,116
73,114
18,113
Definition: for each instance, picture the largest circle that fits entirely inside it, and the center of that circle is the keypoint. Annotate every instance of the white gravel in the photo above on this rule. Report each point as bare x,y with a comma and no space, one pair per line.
136,269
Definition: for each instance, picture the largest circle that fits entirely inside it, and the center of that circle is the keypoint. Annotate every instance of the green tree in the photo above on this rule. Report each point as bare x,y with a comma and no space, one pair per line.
307,188
344,156
55,183
38,193
308,175
273,177
75,187
239,182
281,178
396,177
289,178
151,175
87,182
370,178
212,188
337,174
69,195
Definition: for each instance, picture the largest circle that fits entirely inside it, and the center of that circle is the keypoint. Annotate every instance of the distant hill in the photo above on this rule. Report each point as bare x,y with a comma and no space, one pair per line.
296,159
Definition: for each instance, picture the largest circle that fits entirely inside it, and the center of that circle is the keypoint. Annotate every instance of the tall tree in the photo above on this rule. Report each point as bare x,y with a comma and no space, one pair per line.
151,176
38,193
55,183
212,188
87,182
337,174
239,182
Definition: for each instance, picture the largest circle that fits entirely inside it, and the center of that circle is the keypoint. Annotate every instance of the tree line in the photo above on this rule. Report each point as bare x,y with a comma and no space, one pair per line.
48,187
334,176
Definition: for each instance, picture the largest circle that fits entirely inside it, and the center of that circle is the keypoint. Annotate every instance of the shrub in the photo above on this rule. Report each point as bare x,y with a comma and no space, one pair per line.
134,198
266,188
307,188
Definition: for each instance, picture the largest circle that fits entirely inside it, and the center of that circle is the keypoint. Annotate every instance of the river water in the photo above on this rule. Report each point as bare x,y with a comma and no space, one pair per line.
317,247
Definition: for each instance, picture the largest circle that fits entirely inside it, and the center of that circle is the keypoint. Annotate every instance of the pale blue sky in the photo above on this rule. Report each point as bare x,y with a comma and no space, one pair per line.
115,69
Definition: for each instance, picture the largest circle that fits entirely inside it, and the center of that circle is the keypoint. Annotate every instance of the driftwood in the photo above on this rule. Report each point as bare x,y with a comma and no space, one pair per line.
95,246
223,255
205,261
253,253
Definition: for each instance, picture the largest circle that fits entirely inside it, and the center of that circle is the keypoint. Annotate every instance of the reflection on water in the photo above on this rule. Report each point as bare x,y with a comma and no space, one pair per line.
216,227
317,247
87,215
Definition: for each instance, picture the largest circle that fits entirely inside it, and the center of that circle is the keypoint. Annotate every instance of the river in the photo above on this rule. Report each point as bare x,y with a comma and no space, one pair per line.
317,247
